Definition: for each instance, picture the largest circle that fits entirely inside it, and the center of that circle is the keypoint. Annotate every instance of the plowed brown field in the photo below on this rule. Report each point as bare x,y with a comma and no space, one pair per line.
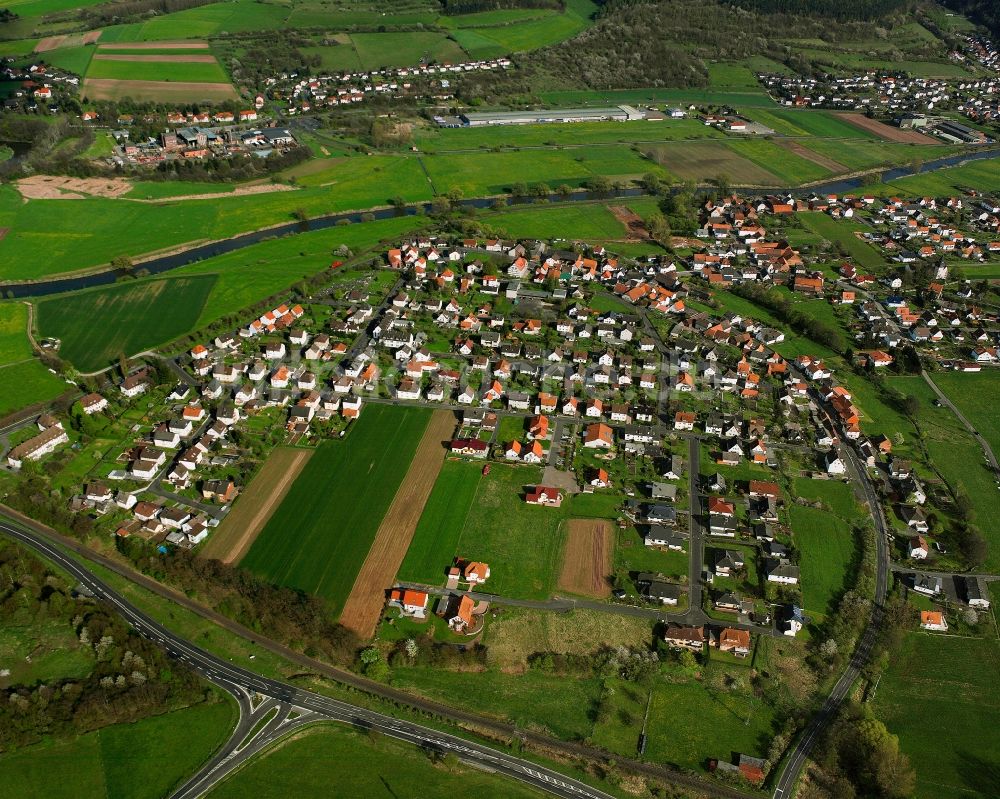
364,605
888,132
587,557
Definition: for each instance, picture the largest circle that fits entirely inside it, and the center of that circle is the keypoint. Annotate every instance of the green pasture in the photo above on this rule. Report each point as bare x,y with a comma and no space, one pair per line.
826,546
437,536
312,766
96,326
567,134
320,535
842,231
144,760
521,542
975,394
177,71
603,97
590,222
789,168
945,682
857,154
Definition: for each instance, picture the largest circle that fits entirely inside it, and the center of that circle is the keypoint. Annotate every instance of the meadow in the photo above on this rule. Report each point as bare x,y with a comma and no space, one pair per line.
521,542
175,71
936,683
827,547
982,175
321,533
584,221
703,161
96,326
858,154
555,134
821,124
144,760
789,168
842,231
23,378
311,766
956,456
975,396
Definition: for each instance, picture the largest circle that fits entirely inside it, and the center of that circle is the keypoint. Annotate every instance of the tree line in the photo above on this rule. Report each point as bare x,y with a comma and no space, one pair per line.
131,678
845,10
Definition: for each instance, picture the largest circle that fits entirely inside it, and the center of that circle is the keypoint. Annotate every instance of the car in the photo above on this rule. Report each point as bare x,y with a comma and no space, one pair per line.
619,593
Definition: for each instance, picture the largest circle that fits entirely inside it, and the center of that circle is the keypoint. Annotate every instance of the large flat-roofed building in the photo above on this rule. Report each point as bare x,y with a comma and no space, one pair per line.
621,113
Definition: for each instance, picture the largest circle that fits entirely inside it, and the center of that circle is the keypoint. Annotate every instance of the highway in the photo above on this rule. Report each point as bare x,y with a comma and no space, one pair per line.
243,684
785,786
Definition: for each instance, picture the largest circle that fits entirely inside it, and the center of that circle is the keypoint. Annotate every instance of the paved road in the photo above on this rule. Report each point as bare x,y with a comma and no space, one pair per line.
785,786
235,679
990,456
241,683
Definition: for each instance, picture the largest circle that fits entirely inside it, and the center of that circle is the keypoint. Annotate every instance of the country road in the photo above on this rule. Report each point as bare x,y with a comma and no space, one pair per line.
243,683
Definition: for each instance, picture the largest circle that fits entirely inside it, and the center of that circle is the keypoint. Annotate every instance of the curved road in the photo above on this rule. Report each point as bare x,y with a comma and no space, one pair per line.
785,786
243,684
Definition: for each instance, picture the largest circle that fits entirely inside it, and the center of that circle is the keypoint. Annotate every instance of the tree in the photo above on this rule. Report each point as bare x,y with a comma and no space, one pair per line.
599,185
122,263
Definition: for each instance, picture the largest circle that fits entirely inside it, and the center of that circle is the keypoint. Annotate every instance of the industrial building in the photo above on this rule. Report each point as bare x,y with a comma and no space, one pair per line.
475,119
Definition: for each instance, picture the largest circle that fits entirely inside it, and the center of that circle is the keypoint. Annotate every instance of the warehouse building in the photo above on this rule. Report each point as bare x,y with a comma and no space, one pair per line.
621,113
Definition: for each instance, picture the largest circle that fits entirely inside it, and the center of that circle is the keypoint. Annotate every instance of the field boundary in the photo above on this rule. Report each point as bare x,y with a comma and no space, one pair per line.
261,498
392,540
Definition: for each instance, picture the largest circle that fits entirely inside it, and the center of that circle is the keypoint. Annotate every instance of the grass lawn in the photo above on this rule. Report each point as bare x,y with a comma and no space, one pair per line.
533,700
974,393
936,683
132,318
865,154
145,760
23,378
320,535
958,458
827,547
521,542
842,231
790,169
436,539
312,764
14,344
577,221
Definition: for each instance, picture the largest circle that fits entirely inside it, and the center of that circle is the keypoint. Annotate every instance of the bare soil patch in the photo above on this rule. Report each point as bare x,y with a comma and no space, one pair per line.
3,232
258,501
192,92
887,132
632,221
587,557
809,155
193,58
194,45
54,187
364,605
66,40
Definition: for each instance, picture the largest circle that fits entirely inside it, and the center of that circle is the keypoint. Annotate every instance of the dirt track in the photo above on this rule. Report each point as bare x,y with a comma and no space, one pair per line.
587,557
632,222
887,132
54,187
364,605
238,530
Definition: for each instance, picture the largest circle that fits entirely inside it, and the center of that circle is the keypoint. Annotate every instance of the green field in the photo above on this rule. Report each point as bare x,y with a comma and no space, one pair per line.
936,683
975,394
312,766
178,71
821,124
522,543
74,59
590,222
96,326
23,378
957,457
440,528
790,169
842,231
144,760
439,140
826,545
982,175
319,536
859,154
